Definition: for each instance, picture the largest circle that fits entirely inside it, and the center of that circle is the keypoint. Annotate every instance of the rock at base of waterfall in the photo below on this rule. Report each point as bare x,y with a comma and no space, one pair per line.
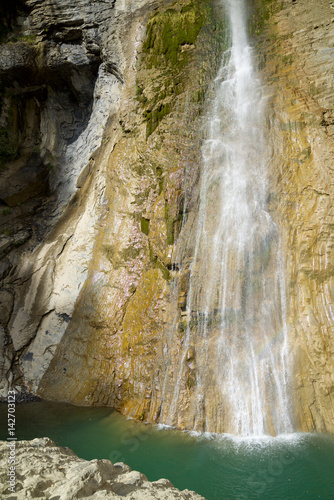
49,471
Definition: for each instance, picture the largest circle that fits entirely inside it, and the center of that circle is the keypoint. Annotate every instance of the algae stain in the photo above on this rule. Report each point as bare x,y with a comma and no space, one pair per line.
157,264
144,225
170,38
261,13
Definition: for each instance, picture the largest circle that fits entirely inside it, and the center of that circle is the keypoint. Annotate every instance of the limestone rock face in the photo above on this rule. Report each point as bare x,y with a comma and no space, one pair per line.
102,107
45,470
61,66
114,350
298,67
103,112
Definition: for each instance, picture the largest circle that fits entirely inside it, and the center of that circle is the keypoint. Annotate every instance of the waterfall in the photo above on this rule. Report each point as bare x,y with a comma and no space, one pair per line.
235,342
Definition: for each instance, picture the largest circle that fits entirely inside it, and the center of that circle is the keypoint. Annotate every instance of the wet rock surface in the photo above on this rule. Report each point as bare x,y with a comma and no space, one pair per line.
45,470
298,70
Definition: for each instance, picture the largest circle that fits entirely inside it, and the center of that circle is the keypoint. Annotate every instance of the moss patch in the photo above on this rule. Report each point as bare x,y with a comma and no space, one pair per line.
157,264
170,226
171,30
144,225
261,13
168,48
139,313
155,116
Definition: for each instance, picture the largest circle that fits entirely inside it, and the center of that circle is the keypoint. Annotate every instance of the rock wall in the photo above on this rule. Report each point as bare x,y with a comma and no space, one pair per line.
114,351
61,75
296,59
101,266
102,113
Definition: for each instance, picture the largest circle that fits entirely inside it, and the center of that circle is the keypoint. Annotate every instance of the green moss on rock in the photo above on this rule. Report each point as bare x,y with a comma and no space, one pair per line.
172,29
261,13
144,225
155,116
157,264
171,36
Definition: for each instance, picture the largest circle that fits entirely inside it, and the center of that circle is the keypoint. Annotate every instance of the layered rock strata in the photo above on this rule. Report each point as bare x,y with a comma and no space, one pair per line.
44,470
62,79
115,350
297,65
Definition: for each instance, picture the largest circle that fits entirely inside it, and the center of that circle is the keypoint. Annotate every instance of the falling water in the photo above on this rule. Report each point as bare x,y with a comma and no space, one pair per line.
236,295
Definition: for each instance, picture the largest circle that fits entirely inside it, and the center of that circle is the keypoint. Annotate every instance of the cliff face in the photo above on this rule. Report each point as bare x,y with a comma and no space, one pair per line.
298,67
114,350
61,71
102,109
116,191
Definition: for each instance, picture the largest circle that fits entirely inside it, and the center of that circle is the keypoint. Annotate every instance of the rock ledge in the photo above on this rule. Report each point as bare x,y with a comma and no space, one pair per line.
45,470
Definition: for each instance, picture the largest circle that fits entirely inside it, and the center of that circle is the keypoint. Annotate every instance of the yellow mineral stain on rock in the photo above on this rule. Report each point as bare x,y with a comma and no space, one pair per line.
299,73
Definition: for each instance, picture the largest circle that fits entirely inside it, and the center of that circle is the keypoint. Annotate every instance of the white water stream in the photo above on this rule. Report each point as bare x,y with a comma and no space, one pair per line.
237,293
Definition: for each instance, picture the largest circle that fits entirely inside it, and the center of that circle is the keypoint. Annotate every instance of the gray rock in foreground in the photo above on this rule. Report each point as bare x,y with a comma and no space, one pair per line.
45,470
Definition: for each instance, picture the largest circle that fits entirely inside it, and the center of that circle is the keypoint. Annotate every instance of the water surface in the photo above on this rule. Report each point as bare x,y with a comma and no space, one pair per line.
292,467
